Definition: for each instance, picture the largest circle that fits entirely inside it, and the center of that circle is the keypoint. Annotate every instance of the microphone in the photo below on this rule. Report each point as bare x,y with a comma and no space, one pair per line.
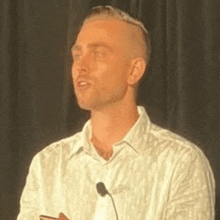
101,189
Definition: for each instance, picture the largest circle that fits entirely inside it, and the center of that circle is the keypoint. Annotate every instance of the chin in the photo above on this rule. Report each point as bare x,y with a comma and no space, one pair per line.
85,105
90,106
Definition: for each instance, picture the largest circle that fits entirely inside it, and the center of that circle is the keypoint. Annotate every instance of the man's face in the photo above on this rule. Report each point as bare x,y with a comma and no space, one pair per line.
101,64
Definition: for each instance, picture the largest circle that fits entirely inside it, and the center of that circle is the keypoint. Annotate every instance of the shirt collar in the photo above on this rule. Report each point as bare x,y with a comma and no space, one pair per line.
82,141
139,132
137,135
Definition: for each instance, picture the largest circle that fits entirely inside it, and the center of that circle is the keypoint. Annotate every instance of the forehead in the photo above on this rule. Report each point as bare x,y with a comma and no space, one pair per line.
103,29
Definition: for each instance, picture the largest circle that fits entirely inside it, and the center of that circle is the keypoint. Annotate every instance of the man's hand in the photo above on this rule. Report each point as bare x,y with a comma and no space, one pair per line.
62,217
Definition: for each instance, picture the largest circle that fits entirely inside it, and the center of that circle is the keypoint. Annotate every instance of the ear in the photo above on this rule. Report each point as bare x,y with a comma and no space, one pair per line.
138,67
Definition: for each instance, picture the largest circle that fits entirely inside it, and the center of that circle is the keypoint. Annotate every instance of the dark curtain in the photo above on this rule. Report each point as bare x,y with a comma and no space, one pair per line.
181,89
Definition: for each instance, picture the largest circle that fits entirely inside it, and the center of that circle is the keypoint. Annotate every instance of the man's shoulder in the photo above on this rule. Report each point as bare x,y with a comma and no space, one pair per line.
63,147
165,140
163,134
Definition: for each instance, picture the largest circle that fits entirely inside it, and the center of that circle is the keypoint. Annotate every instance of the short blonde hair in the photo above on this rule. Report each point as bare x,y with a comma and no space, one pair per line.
116,13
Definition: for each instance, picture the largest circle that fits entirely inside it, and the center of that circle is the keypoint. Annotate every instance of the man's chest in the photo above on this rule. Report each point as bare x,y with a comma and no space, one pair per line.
138,188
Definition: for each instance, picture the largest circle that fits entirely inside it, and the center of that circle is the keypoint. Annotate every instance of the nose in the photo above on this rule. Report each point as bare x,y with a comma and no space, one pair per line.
82,65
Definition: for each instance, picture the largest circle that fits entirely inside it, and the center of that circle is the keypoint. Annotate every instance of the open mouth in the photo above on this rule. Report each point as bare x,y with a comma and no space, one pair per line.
81,84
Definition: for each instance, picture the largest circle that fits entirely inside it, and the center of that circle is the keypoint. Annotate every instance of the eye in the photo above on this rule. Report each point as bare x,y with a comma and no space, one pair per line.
100,53
76,56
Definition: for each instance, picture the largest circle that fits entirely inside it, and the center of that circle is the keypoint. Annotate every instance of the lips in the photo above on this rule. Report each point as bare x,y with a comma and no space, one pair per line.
82,84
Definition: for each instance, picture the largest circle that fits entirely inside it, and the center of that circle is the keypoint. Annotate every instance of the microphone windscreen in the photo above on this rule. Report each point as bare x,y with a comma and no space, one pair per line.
101,189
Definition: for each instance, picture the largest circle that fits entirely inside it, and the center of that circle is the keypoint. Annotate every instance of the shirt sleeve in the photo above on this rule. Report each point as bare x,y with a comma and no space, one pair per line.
29,201
192,194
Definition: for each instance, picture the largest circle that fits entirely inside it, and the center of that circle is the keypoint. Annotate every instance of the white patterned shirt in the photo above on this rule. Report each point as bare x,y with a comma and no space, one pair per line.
153,174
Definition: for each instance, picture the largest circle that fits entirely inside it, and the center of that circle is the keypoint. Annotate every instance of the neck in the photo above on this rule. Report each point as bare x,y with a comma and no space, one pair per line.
111,125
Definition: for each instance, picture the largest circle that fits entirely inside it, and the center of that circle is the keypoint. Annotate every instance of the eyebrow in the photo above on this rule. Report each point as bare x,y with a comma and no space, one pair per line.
92,45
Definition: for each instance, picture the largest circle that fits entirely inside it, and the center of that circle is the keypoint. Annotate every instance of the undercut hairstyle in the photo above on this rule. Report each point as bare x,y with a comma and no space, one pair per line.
116,13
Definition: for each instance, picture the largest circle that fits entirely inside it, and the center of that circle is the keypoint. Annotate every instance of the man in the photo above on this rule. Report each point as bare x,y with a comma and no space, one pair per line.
149,172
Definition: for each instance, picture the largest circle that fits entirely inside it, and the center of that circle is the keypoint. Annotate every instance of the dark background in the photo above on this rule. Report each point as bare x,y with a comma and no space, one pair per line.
180,92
